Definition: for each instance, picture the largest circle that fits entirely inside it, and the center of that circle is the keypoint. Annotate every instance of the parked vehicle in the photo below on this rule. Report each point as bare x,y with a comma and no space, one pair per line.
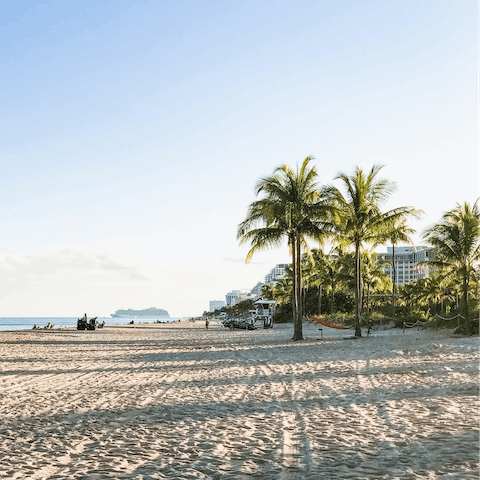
243,323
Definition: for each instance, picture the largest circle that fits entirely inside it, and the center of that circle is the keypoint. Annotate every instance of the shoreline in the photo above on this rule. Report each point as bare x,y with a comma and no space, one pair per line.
217,324
65,322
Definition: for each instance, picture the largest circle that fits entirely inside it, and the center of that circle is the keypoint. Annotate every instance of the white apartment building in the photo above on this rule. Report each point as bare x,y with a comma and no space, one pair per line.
216,305
407,260
237,296
232,297
276,273
256,291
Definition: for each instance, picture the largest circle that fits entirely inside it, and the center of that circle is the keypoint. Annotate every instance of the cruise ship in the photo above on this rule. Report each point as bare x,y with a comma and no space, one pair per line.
148,312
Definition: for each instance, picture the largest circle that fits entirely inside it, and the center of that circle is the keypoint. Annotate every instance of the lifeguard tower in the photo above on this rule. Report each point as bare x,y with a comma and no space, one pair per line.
264,311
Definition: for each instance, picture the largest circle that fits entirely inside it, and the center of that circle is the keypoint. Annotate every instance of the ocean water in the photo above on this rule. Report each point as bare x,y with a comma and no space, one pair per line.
27,323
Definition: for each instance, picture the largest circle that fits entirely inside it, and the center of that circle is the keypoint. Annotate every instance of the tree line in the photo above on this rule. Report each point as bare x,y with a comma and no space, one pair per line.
294,207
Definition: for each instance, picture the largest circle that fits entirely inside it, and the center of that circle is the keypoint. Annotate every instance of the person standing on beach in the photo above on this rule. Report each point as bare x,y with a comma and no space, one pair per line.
206,323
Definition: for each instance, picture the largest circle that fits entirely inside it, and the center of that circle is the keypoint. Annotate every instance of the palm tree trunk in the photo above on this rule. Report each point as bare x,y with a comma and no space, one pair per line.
320,288
358,291
465,301
333,298
299,283
305,290
304,294
368,298
394,278
298,335
294,290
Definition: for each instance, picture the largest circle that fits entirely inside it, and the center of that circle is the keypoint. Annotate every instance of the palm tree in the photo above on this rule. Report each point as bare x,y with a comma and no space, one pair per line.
292,208
430,291
330,270
457,246
373,274
268,292
283,289
314,270
400,233
409,294
358,219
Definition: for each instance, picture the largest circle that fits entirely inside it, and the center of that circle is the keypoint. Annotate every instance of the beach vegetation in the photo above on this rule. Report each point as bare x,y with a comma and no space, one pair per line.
359,221
399,233
351,278
457,248
323,272
292,208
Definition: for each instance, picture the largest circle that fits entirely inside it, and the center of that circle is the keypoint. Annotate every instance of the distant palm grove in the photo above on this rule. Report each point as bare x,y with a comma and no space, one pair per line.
349,279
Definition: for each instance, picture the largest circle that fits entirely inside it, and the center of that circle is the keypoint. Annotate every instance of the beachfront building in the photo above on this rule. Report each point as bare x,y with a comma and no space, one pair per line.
256,291
408,263
216,305
232,298
237,296
276,273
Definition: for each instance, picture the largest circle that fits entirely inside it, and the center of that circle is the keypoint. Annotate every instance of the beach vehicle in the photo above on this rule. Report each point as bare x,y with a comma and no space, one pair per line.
242,323
85,324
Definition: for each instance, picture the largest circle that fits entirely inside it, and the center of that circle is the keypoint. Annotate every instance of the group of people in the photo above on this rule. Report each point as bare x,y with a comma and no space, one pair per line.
36,327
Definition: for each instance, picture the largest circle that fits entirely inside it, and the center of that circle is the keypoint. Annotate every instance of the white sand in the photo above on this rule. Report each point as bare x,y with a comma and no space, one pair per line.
176,401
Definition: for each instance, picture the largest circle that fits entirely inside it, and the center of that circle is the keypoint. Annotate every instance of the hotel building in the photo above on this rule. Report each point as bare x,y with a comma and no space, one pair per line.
216,305
408,263
276,273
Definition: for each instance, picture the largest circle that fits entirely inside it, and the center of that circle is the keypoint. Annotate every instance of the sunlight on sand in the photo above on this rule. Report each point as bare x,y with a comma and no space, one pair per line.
178,402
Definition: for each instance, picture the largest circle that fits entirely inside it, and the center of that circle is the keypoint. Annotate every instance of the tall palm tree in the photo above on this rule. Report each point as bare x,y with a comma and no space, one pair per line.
457,246
359,220
400,233
293,208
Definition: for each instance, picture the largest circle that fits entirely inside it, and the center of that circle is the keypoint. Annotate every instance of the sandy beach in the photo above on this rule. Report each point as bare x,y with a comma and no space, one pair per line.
179,402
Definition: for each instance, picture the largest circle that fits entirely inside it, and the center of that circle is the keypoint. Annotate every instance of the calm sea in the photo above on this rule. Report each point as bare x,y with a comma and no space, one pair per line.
26,323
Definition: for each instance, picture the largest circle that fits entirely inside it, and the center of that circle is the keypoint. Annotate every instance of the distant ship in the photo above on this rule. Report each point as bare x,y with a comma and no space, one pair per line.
148,312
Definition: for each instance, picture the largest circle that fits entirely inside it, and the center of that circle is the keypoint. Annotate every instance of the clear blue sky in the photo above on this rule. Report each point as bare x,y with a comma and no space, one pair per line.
133,133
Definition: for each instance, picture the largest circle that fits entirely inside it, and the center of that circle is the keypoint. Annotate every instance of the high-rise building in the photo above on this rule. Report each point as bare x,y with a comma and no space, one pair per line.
276,273
237,296
232,298
256,291
409,263
216,305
